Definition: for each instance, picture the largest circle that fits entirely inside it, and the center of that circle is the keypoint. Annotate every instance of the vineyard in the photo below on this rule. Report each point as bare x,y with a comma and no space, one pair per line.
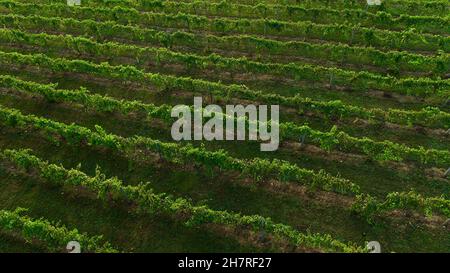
87,94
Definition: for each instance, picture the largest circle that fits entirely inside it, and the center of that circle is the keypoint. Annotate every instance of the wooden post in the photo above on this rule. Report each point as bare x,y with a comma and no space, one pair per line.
302,141
331,81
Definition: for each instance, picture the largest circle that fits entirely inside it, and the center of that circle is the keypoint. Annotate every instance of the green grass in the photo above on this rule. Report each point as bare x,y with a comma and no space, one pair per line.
11,244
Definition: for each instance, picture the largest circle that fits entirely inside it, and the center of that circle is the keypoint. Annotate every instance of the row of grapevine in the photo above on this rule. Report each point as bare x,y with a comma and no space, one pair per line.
322,15
53,236
86,98
257,168
392,61
167,83
142,57
180,209
333,140
406,40
368,207
394,7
